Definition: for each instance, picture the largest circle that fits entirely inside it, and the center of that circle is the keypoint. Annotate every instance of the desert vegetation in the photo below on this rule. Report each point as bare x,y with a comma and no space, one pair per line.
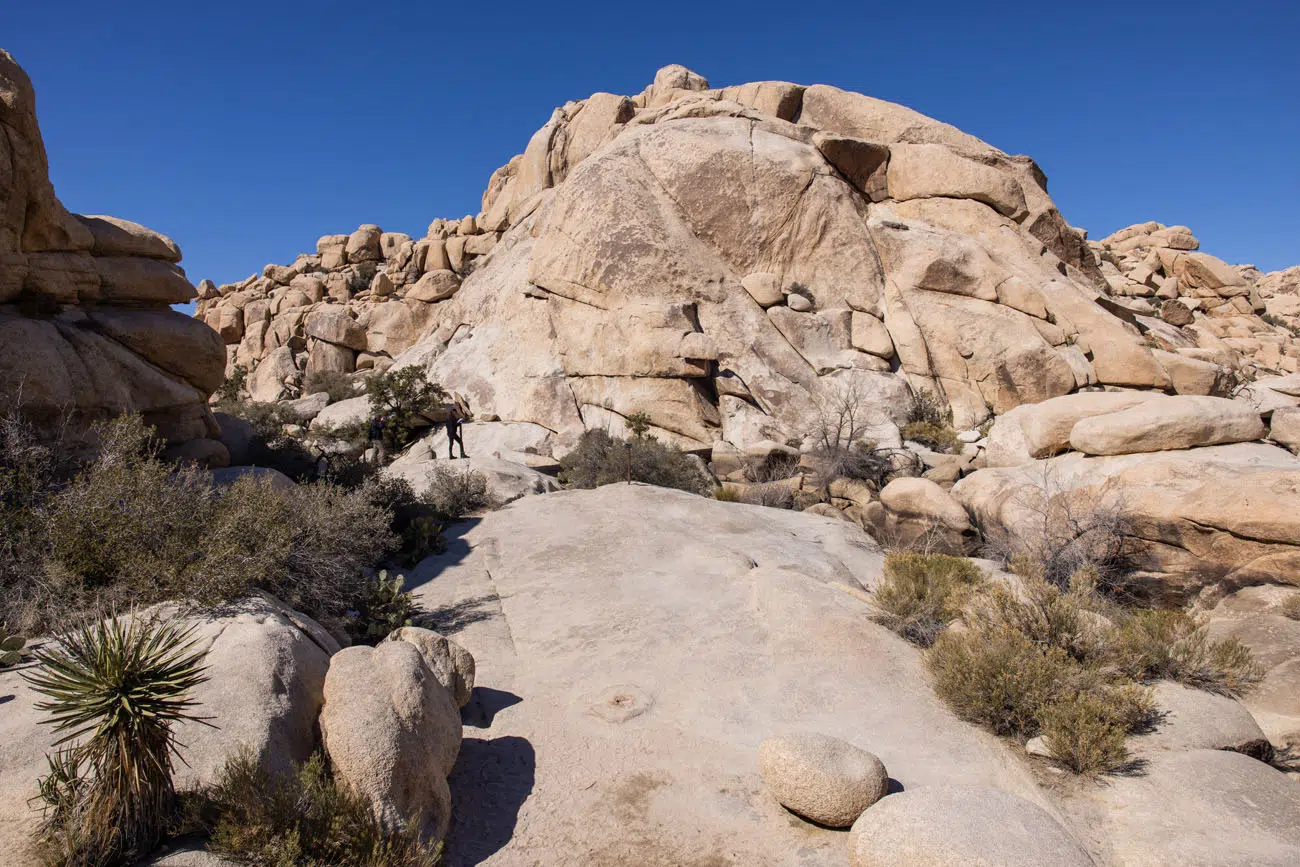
1033,658
600,458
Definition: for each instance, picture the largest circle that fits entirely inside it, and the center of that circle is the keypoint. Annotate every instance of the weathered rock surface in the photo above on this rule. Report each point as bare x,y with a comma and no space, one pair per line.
820,777
1200,808
507,481
392,733
1228,514
1254,616
1192,719
938,826
640,255
597,617
452,664
266,668
1182,422
85,324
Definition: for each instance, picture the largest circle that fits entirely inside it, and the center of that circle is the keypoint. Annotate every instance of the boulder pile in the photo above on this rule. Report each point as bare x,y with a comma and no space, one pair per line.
355,304
86,323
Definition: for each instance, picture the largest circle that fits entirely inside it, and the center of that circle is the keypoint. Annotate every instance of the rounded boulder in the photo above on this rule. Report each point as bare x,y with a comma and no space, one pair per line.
821,778
940,826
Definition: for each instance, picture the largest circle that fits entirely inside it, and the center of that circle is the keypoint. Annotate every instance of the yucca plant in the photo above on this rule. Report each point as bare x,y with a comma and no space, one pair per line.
10,647
115,689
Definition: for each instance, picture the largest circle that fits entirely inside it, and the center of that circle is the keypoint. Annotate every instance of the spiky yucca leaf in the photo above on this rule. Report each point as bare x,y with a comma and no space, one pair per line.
115,688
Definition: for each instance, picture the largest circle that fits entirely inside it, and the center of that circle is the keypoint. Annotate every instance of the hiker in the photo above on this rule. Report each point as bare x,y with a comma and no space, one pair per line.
457,415
454,434
376,436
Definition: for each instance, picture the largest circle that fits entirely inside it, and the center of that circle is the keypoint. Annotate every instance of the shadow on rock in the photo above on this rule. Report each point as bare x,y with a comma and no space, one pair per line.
484,704
489,784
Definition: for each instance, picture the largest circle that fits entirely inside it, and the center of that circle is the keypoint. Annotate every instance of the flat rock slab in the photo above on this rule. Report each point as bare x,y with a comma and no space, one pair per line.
635,645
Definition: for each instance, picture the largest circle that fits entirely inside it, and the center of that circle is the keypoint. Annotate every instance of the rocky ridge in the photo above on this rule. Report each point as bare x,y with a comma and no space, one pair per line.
732,261
85,304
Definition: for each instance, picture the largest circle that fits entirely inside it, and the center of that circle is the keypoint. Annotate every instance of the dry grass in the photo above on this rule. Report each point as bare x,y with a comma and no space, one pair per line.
301,820
1172,645
920,594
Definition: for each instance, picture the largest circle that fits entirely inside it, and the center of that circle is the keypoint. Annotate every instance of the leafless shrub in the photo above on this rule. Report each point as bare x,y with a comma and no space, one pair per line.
1061,532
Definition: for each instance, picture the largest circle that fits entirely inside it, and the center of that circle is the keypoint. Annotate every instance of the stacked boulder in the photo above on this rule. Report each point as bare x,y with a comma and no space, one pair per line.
355,304
1196,306
86,323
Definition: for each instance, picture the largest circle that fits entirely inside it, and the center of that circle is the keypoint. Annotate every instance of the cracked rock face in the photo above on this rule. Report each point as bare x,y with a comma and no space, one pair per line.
85,320
768,242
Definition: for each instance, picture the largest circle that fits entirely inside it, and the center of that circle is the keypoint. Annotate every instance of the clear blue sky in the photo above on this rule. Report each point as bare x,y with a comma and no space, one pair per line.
247,130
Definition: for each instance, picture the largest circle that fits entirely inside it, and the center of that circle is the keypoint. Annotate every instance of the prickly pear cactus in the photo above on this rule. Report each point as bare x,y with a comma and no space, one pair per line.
10,647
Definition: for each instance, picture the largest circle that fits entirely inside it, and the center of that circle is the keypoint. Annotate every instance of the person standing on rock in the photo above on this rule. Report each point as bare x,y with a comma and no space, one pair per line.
458,414
376,437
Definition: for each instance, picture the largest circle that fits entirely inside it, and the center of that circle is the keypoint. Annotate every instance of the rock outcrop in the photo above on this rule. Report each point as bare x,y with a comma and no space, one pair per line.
85,320
722,259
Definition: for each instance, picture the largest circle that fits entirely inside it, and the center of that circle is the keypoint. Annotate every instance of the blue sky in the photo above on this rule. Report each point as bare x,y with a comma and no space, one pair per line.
247,130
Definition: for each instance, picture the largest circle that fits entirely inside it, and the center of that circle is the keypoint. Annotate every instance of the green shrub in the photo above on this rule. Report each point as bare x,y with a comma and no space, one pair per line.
1171,645
920,594
338,385
600,459
115,688
454,493
402,398
1085,734
383,606
11,646
1001,680
232,387
303,819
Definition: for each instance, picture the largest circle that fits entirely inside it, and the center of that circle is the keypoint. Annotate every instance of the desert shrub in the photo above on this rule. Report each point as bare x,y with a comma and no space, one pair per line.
11,646
1065,533
131,528
601,459
303,819
862,461
1043,613
1086,734
1002,680
232,387
116,688
402,398
1291,607
1171,645
338,385
772,467
454,493
936,437
384,605
773,495
928,408
724,494
31,471
920,594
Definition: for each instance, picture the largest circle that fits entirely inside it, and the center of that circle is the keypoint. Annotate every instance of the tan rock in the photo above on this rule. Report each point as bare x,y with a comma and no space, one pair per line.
938,826
1182,422
862,163
868,334
820,777
434,286
1284,427
1043,429
918,171
363,244
923,499
335,326
452,664
132,279
117,237
392,734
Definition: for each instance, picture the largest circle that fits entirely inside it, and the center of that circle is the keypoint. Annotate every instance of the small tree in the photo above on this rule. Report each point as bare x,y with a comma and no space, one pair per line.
401,399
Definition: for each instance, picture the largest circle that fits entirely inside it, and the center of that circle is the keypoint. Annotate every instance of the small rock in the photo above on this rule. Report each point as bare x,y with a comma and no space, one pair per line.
798,303
821,778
